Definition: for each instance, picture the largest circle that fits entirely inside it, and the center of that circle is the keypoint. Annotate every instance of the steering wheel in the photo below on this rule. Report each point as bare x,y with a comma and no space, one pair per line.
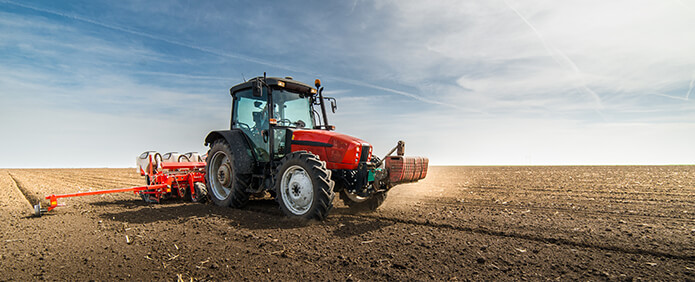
285,120
298,123
241,124
250,131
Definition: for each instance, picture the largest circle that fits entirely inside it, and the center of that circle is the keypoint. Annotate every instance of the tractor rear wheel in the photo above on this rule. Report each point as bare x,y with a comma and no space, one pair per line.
225,185
303,186
358,203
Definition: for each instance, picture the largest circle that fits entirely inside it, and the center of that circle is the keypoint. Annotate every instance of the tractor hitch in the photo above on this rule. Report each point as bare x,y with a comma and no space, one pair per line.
399,149
169,179
402,169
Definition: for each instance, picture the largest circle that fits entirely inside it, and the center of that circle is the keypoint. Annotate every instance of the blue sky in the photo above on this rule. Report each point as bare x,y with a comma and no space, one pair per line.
95,83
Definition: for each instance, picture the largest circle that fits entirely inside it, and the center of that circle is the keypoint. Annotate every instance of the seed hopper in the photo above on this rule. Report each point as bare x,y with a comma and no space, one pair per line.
184,180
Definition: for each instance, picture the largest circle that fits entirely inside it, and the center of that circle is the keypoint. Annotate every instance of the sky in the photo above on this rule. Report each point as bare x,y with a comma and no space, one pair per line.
96,83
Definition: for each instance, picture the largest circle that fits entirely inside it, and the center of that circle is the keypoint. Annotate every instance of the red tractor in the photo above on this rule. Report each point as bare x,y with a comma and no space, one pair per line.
278,142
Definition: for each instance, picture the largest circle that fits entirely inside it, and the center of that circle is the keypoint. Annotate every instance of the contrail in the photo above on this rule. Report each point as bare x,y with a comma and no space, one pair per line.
551,50
668,96
233,55
690,90
403,93
150,36
538,34
207,77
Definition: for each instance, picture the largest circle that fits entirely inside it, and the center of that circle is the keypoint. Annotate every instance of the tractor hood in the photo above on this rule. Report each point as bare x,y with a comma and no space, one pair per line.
340,151
324,136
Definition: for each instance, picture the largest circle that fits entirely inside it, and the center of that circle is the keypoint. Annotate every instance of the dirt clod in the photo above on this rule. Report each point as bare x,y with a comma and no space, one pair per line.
512,223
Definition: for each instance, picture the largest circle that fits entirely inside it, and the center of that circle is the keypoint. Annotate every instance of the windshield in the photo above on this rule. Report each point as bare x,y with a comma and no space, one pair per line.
292,109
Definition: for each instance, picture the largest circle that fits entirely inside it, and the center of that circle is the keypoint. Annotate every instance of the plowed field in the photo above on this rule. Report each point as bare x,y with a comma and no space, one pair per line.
460,223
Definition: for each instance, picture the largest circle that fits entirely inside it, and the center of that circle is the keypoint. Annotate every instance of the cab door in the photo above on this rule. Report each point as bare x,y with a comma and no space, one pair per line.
251,116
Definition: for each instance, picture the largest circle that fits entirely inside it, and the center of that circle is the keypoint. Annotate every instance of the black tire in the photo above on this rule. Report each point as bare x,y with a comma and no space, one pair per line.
201,193
225,186
317,186
183,192
149,198
363,205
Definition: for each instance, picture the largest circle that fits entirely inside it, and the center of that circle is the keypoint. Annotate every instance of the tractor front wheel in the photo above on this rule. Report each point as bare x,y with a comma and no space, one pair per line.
358,203
303,186
225,185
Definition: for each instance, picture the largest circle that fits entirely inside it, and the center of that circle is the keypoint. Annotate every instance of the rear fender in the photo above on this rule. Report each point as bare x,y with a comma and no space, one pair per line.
244,158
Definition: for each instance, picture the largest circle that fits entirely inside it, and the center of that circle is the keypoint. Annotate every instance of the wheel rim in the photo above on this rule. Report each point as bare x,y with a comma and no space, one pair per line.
221,175
297,190
355,198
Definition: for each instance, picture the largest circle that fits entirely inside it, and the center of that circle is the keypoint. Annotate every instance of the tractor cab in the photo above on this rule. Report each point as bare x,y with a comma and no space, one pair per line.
268,109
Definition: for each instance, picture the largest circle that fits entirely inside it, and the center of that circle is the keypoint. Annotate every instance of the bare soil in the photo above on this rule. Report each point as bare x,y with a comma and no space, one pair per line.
460,223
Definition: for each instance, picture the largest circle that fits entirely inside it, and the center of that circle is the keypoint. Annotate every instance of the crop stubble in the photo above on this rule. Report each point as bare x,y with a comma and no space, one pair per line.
623,222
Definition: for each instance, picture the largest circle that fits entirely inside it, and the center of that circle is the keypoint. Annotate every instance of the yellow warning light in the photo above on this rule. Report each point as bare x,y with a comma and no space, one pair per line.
281,83
317,82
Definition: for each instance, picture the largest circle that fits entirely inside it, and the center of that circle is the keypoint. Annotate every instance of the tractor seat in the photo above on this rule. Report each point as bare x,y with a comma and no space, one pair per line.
257,116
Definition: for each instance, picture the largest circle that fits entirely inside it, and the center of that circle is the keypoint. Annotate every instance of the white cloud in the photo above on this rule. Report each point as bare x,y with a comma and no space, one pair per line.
601,49
485,82
103,123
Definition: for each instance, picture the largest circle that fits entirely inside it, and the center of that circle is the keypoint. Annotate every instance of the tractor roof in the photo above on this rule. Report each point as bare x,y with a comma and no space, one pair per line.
290,84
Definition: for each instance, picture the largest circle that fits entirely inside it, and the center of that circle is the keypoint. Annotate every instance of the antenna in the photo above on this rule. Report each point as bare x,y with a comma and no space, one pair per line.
242,77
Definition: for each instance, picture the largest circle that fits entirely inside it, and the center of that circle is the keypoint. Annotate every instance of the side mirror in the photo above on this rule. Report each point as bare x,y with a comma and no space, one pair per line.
333,106
257,88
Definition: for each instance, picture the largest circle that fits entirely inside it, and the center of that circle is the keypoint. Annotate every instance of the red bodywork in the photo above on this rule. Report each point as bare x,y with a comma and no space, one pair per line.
339,151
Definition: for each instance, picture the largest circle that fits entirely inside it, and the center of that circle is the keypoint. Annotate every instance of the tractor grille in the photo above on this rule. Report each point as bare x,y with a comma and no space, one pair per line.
365,153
